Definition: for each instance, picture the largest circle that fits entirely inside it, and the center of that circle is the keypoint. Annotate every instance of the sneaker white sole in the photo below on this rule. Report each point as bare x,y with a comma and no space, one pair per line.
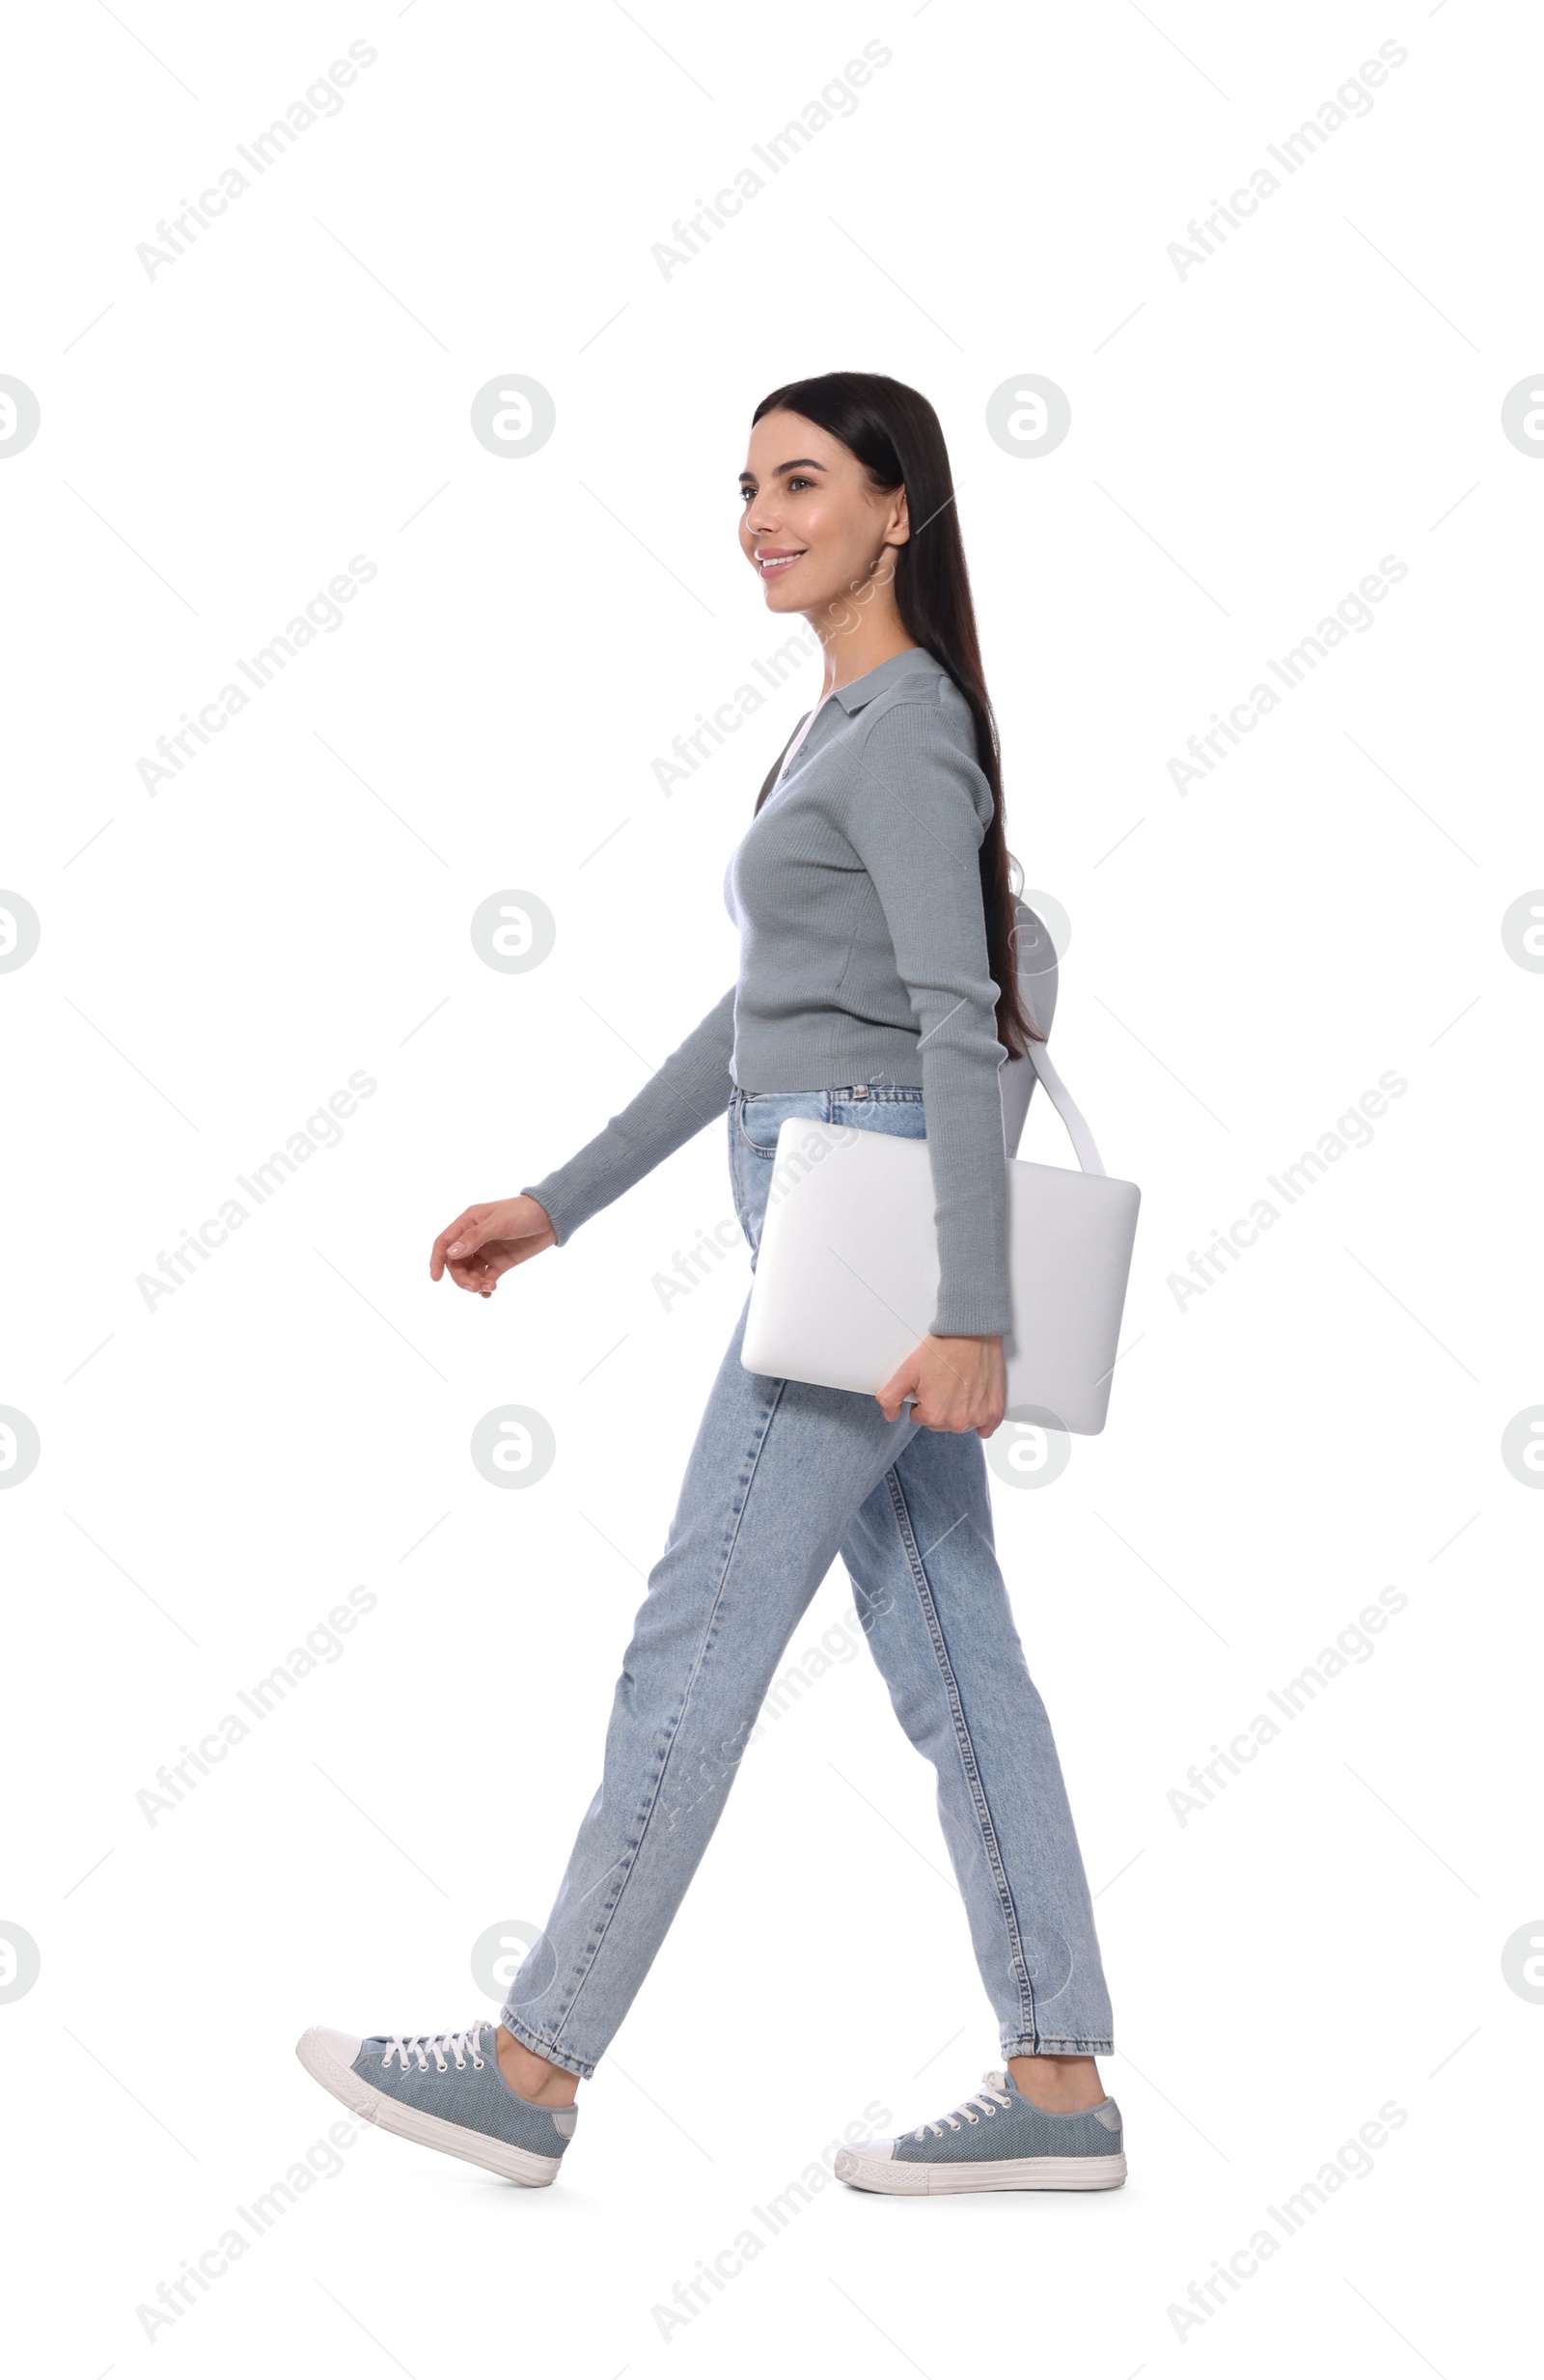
388,2115
899,2178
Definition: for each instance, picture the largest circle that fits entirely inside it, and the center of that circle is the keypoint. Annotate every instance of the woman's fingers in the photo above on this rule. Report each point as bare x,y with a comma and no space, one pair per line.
954,1384
487,1265
900,1385
469,1232
451,1237
519,1227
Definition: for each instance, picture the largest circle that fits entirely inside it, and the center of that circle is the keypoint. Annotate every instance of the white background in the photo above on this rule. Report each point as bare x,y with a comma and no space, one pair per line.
1248,442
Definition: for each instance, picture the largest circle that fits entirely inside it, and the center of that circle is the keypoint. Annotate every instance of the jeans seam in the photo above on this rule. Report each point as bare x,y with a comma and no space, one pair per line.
672,1731
966,1750
570,2060
1059,2045
755,1149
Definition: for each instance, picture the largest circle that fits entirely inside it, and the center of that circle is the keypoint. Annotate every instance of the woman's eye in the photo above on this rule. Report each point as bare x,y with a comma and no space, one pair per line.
746,494
796,483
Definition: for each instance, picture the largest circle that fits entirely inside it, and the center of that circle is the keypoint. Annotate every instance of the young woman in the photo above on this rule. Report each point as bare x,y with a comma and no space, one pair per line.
877,990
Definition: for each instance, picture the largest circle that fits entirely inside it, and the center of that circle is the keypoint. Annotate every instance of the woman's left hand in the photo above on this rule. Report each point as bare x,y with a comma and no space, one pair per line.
954,1383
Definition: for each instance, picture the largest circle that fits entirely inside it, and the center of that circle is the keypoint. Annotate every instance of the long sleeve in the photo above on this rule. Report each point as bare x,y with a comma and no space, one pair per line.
690,1090
919,811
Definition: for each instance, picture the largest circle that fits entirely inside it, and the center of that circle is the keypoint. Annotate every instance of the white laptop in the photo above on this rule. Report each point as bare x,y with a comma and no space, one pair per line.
846,1273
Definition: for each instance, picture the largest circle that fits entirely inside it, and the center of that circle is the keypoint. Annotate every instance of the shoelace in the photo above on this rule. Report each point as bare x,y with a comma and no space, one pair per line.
457,2043
993,2095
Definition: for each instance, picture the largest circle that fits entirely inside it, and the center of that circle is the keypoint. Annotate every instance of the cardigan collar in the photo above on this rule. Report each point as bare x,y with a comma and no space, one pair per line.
876,682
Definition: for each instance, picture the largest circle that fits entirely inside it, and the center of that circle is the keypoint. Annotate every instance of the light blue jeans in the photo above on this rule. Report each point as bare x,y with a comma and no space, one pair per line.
782,1479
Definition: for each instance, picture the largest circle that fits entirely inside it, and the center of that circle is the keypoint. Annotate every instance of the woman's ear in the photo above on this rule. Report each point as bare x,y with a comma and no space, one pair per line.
899,531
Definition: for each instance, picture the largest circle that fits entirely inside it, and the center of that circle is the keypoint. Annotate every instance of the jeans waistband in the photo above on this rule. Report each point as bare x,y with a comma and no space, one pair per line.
876,1090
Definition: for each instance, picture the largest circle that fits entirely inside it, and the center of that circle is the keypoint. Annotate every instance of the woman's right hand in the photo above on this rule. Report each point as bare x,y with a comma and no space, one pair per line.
482,1243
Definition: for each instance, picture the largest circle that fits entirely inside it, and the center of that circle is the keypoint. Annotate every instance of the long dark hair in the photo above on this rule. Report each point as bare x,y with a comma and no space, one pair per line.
896,436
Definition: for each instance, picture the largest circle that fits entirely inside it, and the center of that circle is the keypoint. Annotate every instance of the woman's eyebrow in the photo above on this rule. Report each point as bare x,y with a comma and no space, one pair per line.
800,463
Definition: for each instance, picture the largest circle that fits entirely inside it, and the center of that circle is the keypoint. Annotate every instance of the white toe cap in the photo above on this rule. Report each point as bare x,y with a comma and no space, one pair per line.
342,2047
872,2149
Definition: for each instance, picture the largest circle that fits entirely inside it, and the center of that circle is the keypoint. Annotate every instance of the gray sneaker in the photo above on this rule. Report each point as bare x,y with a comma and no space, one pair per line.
445,2090
996,2141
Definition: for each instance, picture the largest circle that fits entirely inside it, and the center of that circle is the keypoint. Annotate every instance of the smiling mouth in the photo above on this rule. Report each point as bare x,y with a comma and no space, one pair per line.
772,565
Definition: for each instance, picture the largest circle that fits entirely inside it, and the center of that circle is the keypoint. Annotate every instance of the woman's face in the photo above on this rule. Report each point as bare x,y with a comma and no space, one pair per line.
812,526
